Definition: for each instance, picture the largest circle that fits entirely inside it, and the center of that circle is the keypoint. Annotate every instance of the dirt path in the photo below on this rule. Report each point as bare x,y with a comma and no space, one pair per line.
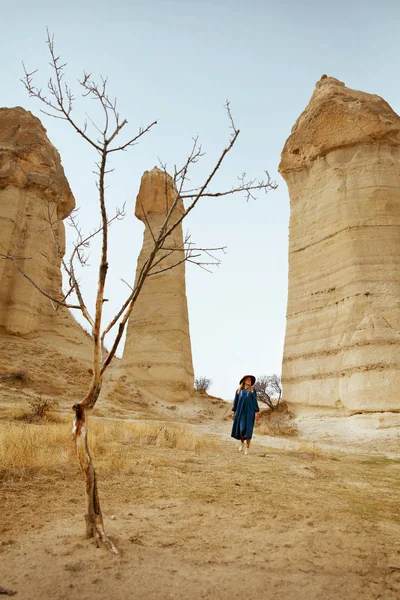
275,524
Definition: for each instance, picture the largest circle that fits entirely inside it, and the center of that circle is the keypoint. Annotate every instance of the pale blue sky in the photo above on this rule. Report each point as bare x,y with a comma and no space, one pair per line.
178,61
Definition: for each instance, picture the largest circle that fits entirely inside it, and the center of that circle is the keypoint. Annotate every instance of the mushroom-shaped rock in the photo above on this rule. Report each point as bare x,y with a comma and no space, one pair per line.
157,356
33,188
342,166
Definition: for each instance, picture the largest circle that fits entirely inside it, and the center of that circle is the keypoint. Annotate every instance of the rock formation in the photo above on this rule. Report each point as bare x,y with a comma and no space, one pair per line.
157,356
32,183
342,166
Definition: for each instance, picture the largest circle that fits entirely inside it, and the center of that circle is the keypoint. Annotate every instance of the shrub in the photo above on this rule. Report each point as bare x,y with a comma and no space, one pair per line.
41,409
277,423
14,376
19,375
269,390
202,384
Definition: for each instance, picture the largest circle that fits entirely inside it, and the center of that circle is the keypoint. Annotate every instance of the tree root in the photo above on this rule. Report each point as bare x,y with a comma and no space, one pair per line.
101,538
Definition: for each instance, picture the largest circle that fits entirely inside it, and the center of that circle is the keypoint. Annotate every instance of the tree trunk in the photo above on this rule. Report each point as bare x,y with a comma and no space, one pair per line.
94,518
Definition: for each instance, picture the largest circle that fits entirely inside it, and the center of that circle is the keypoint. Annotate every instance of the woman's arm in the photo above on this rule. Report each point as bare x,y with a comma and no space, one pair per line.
235,402
256,407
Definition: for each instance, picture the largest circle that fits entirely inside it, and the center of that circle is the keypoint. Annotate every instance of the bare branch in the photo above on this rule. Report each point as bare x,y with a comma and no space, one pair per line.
245,186
203,188
181,175
69,270
35,285
179,262
61,98
128,302
126,283
133,140
227,106
147,222
55,90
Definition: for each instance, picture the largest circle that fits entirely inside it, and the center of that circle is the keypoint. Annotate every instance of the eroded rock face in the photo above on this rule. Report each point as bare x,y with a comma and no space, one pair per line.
32,186
342,166
157,355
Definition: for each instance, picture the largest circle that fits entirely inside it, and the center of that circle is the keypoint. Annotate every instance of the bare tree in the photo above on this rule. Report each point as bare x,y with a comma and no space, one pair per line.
269,390
202,384
261,387
58,101
275,386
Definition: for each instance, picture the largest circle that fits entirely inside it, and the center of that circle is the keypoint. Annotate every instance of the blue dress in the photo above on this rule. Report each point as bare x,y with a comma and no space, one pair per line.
245,407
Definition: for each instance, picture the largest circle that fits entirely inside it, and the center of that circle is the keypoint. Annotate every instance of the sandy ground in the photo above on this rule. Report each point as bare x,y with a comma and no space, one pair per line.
303,521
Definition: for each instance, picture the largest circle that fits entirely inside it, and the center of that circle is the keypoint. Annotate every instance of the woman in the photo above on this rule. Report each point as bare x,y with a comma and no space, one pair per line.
245,411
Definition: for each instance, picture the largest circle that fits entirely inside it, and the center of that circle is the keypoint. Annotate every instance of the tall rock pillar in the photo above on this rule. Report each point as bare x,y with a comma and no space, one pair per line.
342,166
157,355
32,186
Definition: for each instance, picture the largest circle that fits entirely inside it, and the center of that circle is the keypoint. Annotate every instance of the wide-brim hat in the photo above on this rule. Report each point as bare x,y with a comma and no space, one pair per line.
253,379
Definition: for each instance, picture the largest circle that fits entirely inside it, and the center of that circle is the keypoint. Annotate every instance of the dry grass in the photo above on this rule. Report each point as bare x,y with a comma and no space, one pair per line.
309,520
26,448
312,449
12,376
276,423
150,434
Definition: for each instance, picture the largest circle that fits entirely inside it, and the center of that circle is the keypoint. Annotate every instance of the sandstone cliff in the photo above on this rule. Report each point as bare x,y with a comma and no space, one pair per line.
32,183
342,166
157,356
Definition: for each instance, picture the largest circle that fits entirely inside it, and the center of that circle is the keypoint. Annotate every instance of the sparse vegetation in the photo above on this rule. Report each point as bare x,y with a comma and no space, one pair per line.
42,407
269,390
309,448
276,423
14,376
19,375
41,410
202,384
344,507
26,447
